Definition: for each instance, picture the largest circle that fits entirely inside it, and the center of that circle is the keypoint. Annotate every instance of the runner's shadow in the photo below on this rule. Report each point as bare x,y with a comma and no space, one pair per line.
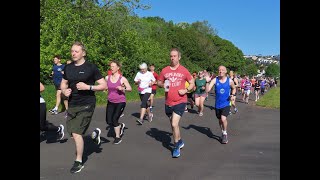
90,147
43,136
161,136
137,115
111,132
51,137
210,107
192,111
203,130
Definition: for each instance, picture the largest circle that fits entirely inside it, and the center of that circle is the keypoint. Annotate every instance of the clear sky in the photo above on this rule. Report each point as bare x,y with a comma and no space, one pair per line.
251,25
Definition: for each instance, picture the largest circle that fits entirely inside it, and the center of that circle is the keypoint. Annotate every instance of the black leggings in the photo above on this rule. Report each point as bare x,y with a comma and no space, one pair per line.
144,100
113,112
44,124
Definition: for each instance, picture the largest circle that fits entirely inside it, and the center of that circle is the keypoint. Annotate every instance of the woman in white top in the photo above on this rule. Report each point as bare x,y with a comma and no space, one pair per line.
144,79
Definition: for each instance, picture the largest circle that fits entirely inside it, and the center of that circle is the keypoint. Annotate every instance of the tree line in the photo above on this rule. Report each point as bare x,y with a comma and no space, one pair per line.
111,30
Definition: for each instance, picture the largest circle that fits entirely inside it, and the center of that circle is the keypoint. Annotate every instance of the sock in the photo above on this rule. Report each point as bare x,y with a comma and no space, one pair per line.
55,108
79,161
224,132
235,109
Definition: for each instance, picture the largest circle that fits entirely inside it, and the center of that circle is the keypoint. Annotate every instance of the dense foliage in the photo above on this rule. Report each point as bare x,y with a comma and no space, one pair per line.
273,70
111,30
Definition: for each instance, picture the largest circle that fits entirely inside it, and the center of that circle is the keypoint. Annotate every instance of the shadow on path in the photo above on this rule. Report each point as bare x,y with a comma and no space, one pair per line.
112,133
210,107
90,147
161,136
204,130
51,137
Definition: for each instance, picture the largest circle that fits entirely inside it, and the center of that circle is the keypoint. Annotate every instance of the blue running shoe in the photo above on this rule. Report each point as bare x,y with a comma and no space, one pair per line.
176,152
180,144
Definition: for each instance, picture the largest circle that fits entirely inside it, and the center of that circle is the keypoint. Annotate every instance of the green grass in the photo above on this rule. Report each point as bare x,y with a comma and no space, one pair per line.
270,99
49,96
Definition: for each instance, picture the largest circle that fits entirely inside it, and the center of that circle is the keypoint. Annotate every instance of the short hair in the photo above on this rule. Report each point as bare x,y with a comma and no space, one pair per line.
78,43
176,49
57,56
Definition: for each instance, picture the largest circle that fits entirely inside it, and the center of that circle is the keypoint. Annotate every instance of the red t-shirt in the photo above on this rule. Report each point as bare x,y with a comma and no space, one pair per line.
177,80
154,87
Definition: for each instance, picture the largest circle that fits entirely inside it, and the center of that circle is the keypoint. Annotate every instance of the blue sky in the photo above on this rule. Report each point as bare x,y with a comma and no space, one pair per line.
251,25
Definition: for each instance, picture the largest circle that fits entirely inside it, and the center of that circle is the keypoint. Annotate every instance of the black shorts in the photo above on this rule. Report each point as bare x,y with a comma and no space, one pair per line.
154,91
145,103
224,111
178,109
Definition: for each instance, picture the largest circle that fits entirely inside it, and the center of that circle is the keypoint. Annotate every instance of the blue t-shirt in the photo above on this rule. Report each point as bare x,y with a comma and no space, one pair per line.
57,73
262,84
222,91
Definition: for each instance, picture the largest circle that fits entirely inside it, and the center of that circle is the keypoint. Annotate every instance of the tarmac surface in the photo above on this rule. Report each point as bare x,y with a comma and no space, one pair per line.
253,150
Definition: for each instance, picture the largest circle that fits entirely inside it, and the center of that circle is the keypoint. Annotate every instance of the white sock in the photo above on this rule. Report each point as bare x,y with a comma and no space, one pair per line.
55,108
224,132
79,161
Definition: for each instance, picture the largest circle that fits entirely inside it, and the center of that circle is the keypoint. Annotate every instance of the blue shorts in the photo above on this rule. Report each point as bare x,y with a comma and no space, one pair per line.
178,109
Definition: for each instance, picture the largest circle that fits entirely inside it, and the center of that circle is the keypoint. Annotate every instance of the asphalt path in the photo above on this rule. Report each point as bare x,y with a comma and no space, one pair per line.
253,150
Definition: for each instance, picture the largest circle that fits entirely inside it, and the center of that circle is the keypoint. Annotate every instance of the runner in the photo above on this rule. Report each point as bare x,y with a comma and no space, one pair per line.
173,79
44,124
78,83
117,85
223,86
154,86
236,84
57,73
144,79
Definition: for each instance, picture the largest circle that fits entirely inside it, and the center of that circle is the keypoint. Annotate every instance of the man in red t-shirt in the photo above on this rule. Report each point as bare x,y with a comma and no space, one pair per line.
154,86
173,79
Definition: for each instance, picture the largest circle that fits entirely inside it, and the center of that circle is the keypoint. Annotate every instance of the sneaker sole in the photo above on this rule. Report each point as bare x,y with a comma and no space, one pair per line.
122,129
139,121
182,146
118,142
62,131
78,170
98,136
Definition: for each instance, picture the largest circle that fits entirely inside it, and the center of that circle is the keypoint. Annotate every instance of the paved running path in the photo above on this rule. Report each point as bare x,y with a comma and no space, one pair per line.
253,151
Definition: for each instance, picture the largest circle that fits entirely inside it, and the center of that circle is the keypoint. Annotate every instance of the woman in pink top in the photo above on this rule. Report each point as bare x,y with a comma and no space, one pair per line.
117,85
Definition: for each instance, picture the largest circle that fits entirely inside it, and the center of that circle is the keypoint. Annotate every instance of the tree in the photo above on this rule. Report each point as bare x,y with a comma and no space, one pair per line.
273,70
